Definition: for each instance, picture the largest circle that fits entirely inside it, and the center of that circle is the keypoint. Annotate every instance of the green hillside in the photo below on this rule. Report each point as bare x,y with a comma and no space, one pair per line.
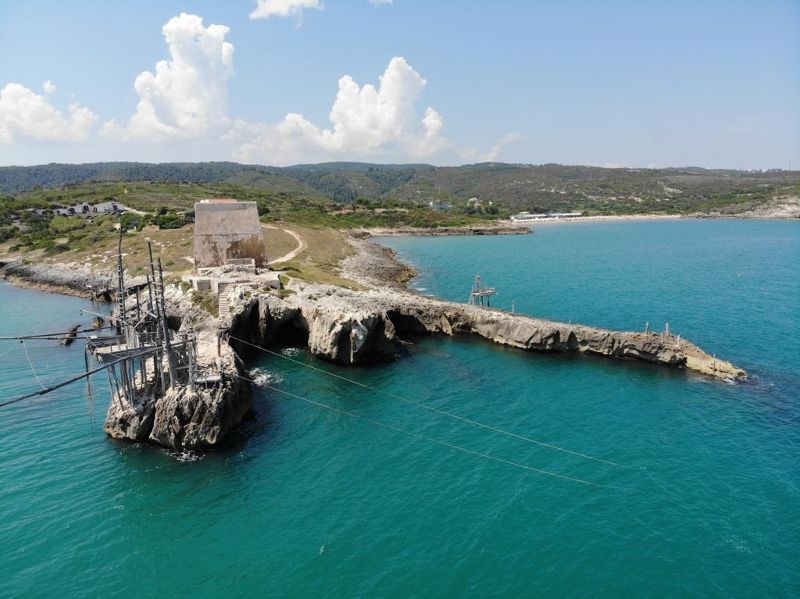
549,187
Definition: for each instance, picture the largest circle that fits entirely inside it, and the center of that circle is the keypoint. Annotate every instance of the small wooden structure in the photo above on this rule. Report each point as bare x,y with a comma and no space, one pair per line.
143,342
479,292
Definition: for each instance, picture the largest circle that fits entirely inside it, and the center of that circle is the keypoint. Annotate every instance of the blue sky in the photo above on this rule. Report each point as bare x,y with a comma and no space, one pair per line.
714,84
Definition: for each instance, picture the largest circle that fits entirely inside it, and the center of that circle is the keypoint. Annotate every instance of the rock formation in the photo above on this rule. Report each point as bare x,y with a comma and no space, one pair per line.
351,327
181,418
69,278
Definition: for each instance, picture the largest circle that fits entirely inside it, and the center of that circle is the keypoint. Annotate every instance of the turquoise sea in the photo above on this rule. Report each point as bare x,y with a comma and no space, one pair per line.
314,503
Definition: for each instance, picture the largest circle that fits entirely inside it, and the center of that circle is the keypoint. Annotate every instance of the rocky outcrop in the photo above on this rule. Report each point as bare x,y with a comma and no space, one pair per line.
375,265
130,420
194,420
352,327
70,278
182,418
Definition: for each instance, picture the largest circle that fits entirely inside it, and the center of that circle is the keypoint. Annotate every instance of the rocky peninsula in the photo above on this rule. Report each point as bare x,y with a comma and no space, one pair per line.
355,327
373,321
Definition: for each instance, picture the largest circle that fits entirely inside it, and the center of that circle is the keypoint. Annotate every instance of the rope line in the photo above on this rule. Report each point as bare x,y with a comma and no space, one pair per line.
434,409
68,337
426,438
57,335
33,370
46,390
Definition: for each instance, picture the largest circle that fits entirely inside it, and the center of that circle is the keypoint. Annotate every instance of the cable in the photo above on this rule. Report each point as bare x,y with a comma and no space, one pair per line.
425,438
56,335
67,336
434,409
46,390
33,370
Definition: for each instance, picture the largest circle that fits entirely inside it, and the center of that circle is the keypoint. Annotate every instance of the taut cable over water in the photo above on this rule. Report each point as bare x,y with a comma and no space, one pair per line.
426,438
33,370
431,408
45,390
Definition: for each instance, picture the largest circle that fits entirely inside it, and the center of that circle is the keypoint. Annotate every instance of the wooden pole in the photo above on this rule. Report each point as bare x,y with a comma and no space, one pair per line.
120,279
167,344
190,352
155,308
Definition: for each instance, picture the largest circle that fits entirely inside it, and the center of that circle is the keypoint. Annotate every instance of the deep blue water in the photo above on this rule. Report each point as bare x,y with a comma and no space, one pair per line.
706,499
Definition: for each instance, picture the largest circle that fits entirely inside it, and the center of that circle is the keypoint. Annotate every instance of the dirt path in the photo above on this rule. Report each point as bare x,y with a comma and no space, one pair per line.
301,245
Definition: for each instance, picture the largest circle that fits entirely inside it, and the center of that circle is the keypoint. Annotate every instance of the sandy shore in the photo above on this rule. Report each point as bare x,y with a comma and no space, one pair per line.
600,219
500,228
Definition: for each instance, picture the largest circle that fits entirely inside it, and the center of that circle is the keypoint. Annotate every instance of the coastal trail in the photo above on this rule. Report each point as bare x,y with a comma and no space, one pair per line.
301,245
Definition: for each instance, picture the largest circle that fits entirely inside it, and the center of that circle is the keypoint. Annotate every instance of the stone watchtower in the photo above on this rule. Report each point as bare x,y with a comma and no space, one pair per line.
227,229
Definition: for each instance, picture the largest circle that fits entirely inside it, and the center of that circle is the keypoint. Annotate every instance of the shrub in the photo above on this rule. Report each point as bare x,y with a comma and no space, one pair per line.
64,224
170,221
130,221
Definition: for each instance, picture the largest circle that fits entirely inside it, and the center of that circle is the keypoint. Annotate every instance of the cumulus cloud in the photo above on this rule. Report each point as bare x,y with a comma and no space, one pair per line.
25,114
49,87
187,96
282,8
365,122
380,2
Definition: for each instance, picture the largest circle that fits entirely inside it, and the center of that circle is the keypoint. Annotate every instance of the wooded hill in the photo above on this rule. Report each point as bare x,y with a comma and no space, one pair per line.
548,187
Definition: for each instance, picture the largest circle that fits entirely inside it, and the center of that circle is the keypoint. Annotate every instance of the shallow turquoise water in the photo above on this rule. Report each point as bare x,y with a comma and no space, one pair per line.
315,503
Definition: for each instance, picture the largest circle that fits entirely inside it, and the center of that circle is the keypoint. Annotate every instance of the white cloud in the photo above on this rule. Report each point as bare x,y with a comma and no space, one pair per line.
26,114
49,87
366,122
187,96
283,8
493,152
380,2
490,155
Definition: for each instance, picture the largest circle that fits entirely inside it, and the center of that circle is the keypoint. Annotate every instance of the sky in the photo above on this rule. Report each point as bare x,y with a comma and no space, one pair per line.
614,83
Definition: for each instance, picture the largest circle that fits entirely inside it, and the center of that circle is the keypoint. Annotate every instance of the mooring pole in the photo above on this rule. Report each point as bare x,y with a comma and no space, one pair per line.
190,351
165,331
120,279
155,308
138,307
89,397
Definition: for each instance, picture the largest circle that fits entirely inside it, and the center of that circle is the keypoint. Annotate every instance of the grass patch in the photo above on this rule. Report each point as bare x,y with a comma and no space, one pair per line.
206,300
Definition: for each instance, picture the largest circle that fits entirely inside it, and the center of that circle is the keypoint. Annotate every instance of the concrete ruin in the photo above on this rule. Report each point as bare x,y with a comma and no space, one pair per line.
226,229
229,250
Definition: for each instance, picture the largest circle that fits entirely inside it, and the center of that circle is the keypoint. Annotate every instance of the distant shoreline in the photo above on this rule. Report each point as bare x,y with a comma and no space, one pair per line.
499,228
600,218
647,217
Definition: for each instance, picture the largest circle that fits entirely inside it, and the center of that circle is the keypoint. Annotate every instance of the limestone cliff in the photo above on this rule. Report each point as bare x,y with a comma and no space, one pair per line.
351,327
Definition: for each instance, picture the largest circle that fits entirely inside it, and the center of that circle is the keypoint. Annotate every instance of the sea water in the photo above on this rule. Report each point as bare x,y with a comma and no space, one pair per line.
703,496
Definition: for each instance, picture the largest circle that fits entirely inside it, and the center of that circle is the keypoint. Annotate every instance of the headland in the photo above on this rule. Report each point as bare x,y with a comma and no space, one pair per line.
341,296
